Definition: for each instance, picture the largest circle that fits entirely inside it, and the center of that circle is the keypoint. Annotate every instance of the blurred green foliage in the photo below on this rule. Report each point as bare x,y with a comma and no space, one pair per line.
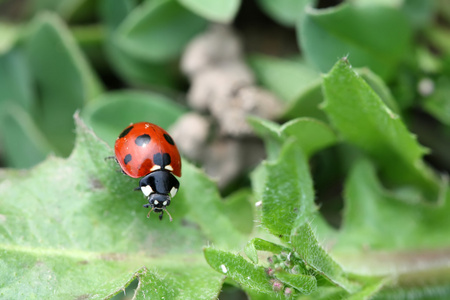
375,127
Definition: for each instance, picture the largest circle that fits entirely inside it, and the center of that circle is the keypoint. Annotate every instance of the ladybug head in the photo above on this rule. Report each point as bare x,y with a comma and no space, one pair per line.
158,203
159,186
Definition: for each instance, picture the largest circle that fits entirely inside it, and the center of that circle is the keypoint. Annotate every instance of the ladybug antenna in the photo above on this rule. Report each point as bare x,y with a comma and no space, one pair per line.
148,215
167,212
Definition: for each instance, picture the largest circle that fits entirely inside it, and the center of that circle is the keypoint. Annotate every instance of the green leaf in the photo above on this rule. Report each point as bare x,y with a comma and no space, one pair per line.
263,245
158,31
379,87
312,135
250,251
306,284
368,205
370,290
270,132
415,232
239,269
136,71
24,145
16,85
365,121
221,11
207,209
285,12
258,179
438,37
315,257
239,207
288,198
419,13
132,68
113,13
438,103
326,293
193,282
110,113
288,79
73,10
8,36
372,35
74,228
55,58
307,104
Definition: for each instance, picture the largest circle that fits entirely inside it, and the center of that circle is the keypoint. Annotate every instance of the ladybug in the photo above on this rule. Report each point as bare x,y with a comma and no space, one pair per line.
148,151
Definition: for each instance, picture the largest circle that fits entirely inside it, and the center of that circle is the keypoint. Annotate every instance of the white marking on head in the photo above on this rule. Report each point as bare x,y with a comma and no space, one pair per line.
173,192
165,203
224,268
147,190
169,168
155,167
156,202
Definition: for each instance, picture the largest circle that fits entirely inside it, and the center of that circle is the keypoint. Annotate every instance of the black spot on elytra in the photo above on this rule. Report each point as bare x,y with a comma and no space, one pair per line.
168,139
142,140
125,132
127,158
162,159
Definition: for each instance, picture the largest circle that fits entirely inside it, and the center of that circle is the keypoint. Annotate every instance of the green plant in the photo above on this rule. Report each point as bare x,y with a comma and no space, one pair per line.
71,225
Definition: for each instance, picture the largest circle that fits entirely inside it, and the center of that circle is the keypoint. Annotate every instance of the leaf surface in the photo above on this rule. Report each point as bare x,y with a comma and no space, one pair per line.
365,121
50,47
74,228
371,34
158,31
221,11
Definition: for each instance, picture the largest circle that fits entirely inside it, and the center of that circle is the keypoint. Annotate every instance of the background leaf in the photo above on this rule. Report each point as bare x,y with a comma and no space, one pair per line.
16,83
438,103
158,30
355,30
24,144
135,70
286,12
288,79
368,203
51,48
8,36
221,11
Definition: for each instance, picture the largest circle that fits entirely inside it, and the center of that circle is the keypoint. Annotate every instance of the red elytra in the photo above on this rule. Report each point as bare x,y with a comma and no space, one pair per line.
144,147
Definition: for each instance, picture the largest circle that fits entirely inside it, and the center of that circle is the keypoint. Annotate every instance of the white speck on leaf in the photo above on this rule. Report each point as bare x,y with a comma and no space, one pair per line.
224,268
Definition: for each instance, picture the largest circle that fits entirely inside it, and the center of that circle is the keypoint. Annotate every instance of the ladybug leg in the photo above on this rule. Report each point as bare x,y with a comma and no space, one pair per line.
111,157
137,188
161,215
